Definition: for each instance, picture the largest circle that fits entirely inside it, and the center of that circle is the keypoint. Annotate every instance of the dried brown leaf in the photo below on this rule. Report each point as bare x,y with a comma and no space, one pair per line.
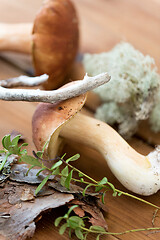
89,203
93,211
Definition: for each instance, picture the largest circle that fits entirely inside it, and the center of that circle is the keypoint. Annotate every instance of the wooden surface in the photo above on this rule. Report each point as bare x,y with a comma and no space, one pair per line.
103,23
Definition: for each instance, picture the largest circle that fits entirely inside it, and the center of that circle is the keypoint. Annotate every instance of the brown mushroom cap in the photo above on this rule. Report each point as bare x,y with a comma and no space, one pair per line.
49,119
55,40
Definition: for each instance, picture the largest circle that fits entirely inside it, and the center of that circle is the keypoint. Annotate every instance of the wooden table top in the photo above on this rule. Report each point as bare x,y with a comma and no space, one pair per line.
103,23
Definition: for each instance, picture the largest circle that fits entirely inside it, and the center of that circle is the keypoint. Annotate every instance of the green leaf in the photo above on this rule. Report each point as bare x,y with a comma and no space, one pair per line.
56,171
65,216
63,155
98,188
40,153
73,158
2,151
62,181
64,172
103,181
3,141
97,228
79,233
6,141
16,140
62,228
31,160
57,164
23,152
114,194
24,145
119,194
68,180
12,146
40,186
57,221
80,174
111,186
84,191
13,150
75,222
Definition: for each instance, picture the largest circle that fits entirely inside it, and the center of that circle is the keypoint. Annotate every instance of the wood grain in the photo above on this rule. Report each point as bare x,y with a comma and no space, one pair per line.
103,23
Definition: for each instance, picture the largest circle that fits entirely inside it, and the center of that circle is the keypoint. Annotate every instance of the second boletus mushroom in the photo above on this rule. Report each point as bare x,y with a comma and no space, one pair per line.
52,40
53,122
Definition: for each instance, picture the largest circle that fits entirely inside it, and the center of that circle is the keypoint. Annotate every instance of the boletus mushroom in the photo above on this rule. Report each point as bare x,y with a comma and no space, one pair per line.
52,40
54,122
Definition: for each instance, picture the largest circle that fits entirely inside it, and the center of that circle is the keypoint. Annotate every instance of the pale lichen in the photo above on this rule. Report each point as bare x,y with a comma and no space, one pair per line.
130,94
154,117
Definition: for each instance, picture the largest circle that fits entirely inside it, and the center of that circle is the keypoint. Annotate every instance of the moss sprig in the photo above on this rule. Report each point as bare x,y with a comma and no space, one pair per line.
64,170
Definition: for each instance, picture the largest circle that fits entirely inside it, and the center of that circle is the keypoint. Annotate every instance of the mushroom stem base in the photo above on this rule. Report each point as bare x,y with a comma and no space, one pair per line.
16,37
132,169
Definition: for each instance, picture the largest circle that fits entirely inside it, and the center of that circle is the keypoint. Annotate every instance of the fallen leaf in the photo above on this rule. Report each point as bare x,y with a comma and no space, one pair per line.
95,215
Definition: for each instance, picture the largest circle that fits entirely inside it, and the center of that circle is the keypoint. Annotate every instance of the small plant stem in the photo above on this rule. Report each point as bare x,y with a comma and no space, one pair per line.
85,175
77,180
121,233
117,190
137,198
4,161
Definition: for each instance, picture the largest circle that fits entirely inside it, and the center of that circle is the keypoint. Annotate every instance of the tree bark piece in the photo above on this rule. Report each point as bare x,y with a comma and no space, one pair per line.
19,207
17,219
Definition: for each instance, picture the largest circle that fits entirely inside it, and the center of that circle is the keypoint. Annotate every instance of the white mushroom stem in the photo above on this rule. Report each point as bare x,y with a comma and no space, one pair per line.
138,173
24,81
16,37
76,89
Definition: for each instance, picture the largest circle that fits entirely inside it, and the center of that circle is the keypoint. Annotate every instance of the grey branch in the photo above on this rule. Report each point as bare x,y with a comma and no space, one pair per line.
24,81
73,90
